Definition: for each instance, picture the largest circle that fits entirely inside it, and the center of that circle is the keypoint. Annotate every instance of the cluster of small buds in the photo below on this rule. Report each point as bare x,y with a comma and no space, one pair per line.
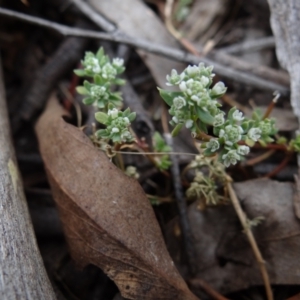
294,144
209,176
99,64
104,72
235,131
117,125
131,171
195,104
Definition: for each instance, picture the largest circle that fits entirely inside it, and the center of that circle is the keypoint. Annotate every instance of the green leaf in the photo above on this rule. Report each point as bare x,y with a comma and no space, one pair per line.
115,96
216,131
98,80
100,104
126,112
87,85
101,117
82,90
230,113
100,53
79,72
204,116
119,81
169,96
132,116
207,152
102,133
249,142
88,101
245,126
257,115
177,129
120,69
202,127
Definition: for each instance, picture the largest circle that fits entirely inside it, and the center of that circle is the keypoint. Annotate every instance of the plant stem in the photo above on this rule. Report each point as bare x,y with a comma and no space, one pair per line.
279,167
203,136
260,158
271,106
250,236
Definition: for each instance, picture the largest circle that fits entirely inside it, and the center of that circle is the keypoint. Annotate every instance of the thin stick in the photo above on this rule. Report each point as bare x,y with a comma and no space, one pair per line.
169,52
271,105
249,46
96,17
279,167
181,202
250,236
260,158
168,21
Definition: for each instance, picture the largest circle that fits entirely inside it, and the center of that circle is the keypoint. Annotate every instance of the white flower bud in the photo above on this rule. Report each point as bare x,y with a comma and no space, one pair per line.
174,78
192,70
254,134
115,130
243,150
118,62
126,136
182,86
204,80
219,120
213,145
218,89
189,123
126,120
237,116
175,120
113,113
231,157
179,102
196,99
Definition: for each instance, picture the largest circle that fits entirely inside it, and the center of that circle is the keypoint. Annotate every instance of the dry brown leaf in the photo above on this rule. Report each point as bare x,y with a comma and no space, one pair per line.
106,216
224,257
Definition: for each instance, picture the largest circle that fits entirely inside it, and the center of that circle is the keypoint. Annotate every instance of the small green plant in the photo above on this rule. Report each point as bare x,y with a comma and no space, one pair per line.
99,93
195,106
159,145
182,9
209,179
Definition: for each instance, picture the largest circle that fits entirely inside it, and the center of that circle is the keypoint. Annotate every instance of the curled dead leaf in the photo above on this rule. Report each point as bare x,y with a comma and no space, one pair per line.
106,216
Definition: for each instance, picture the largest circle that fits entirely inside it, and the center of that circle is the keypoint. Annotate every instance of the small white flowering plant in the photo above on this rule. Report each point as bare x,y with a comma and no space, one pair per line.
104,74
196,107
99,93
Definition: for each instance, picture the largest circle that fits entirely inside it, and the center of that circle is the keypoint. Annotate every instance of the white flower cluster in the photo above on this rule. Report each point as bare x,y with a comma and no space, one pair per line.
194,83
131,171
196,106
230,133
117,125
93,65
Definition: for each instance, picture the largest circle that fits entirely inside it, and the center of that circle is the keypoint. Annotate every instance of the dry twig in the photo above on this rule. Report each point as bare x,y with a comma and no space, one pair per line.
250,236
22,273
172,53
